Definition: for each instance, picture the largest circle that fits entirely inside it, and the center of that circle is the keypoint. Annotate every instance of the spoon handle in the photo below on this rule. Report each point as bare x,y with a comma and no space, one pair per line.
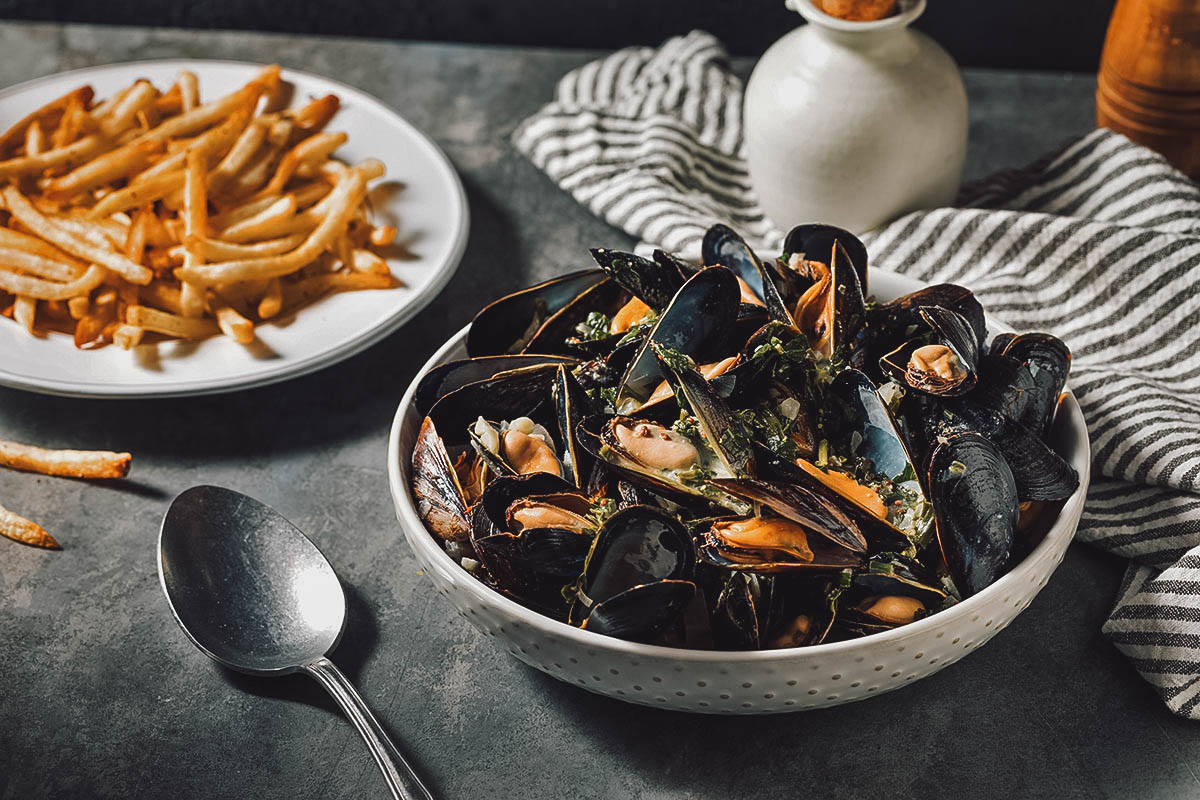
401,779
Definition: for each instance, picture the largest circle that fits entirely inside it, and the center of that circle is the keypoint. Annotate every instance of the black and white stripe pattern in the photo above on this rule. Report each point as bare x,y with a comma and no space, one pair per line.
1098,244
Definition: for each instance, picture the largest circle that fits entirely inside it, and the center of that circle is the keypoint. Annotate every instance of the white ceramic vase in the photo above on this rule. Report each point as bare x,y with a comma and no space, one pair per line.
854,123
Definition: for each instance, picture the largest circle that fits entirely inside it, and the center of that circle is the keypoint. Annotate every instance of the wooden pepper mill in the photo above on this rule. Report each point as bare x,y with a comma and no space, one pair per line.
1149,82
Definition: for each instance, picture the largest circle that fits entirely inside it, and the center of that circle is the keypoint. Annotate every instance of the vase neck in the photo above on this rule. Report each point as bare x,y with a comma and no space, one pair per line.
853,33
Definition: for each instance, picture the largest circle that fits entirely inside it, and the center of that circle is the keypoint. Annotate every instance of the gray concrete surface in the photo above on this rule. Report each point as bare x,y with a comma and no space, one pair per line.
101,695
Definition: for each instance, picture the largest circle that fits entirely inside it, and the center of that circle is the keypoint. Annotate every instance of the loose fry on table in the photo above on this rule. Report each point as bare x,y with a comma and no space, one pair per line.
64,463
24,531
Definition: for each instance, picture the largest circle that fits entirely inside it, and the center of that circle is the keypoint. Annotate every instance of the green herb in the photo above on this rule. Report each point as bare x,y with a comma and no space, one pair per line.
688,426
636,331
696,476
601,510
608,395
673,359
594,328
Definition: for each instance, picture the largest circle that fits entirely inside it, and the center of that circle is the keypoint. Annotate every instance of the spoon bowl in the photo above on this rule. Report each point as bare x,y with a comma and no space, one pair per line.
251,591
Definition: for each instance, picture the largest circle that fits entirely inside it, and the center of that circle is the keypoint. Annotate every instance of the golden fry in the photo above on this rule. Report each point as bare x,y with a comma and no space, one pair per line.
64,463
52,290
170,324
38,265
107,168
47,115
24,531
22,210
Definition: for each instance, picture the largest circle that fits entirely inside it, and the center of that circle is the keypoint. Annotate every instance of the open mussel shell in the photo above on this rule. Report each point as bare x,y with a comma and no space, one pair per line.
440,499
535,565
522,392
818,513
1049,361
638,578
506,325
944,361
768,545
713,415
803,611
900,319
505,490
832,312
652,282
698,323
445,378
560,333
975,503
723,246
599,436
815,241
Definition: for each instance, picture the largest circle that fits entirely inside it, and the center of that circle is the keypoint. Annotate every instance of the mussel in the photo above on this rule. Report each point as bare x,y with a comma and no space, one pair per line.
943,360
638,577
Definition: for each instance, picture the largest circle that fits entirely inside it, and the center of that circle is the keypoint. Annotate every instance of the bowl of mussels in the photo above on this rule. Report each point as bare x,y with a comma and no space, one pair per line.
752,485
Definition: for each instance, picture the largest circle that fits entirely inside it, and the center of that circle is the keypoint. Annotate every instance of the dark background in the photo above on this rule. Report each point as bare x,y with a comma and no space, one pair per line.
1022,34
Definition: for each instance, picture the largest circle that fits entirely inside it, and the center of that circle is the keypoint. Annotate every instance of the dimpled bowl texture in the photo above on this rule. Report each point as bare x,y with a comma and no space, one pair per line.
755,682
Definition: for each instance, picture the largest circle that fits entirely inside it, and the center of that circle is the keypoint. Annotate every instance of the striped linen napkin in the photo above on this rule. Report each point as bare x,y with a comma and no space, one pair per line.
1098,243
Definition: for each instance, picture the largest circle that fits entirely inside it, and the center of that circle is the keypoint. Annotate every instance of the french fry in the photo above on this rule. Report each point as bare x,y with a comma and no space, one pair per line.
24,531
111,166
315,148
239,154
25,312
308,289
220,250
214,142
349,192
47,114
170,324
21,209
128,337
189,90
163,297
67,158
52,290
100,464
78,307
75,121
232,324
317,113
366,261
383,235
272,299
263,225
135,241
139,194
39,265
35,139
124,112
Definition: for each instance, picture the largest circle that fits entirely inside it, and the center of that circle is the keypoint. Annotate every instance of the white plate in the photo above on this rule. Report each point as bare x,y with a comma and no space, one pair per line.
430,211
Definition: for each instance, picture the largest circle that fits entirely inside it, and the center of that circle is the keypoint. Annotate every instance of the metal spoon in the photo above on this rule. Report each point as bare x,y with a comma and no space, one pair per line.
251,591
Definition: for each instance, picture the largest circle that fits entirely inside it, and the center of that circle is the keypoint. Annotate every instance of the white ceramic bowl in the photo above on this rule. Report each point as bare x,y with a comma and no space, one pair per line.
754,682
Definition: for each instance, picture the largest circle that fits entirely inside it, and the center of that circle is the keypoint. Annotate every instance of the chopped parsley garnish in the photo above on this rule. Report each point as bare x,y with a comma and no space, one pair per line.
594,328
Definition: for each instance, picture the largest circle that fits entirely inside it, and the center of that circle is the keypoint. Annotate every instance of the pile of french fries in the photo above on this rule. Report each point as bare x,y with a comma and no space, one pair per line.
154,213
87,464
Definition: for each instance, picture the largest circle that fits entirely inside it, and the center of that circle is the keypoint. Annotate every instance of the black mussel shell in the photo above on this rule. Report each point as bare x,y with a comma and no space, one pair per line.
523,392
1040,473
815,242
1004,385
596,436
975,503
506,325
722,245
560,332
803,610
816,512
503,491
1049,362
671,261
435,487
946,328
717,550
652,282
445,378
637,547
698,324
894,574
900,319
535,565
571,404
643,613
869,417
1000,342
734,616
713,414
